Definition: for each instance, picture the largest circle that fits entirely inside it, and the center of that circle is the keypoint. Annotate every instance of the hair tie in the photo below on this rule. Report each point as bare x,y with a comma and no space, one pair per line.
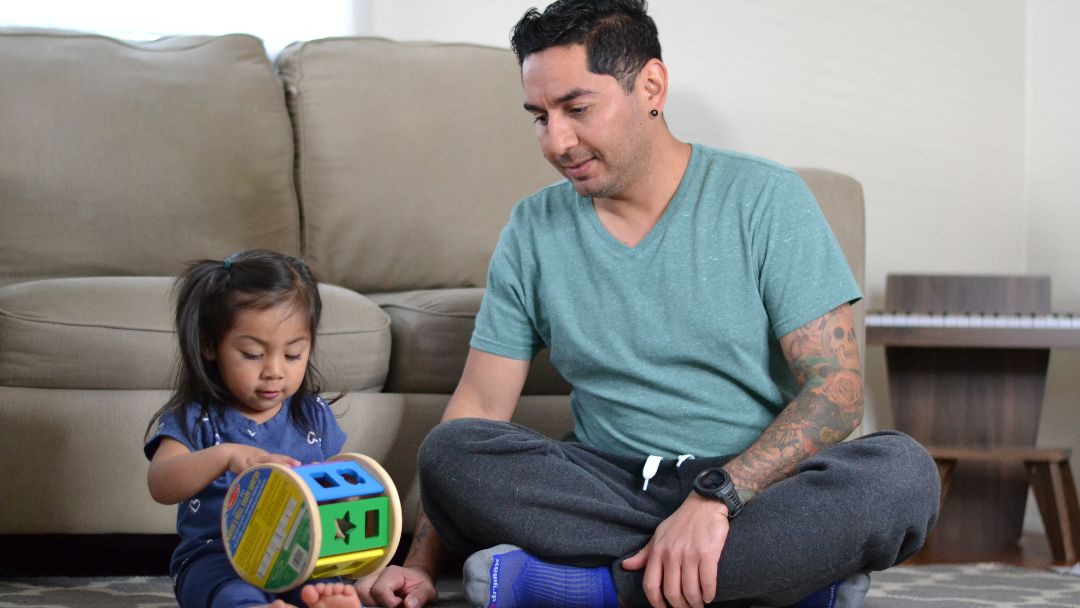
228,262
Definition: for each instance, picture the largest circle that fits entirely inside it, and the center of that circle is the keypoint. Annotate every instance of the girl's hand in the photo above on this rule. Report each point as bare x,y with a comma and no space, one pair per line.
176,473
242,457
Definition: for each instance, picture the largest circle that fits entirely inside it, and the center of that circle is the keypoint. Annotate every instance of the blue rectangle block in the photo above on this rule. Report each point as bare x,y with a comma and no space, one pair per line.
337,480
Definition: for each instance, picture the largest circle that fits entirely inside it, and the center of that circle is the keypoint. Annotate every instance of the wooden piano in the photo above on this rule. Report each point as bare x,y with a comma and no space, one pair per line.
966,359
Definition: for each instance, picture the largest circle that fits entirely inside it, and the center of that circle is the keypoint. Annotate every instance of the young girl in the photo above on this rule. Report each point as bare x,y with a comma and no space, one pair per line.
247,393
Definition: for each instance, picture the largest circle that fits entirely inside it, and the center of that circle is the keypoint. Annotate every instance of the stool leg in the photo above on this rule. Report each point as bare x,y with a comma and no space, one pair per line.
1065,493
944,468
1055,494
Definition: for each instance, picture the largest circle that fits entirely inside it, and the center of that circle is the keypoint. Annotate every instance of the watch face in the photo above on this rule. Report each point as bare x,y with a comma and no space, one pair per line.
712,479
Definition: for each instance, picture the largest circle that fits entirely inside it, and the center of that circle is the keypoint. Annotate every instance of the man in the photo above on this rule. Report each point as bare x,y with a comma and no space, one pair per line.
699,306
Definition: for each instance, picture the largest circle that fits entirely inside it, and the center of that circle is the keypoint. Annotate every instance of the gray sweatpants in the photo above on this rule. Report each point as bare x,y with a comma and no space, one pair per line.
860,505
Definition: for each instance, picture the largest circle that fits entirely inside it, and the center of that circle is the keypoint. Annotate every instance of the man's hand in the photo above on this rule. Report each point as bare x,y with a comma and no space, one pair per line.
681,559
395,586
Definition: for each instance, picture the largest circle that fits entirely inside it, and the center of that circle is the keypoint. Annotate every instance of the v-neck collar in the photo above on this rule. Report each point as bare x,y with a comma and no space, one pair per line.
239,420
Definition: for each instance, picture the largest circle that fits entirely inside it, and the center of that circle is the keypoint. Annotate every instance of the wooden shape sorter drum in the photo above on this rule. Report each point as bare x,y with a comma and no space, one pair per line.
283,526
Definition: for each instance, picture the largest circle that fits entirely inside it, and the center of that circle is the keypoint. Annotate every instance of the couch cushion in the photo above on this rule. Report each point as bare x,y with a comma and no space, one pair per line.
117,333
431,331
409,159
353,347
124,158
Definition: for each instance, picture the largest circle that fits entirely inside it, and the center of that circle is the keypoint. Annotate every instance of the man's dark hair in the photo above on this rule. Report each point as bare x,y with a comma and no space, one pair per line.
619,37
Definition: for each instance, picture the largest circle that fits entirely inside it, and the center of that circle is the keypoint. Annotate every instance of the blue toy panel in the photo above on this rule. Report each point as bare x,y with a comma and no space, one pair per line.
337,480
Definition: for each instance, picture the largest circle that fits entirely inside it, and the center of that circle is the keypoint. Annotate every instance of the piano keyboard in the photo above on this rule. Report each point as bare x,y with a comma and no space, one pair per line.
976,320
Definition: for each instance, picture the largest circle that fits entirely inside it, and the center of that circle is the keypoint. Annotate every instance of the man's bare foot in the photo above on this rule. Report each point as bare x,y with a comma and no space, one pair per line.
330,595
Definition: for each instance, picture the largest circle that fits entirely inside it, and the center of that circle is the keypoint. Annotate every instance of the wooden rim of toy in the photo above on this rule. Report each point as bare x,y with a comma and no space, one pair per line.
310,504
394,525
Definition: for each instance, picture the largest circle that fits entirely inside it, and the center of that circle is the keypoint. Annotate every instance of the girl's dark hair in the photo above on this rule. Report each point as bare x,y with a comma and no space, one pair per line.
619,37
208,298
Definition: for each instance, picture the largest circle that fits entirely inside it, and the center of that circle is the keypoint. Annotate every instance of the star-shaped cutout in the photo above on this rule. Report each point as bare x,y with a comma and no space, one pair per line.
343,526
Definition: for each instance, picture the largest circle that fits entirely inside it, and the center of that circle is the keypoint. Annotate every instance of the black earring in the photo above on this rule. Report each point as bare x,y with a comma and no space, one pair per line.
654,113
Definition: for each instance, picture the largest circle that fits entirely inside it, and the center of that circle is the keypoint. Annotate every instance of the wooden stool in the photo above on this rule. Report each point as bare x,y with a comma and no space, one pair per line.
976,387
1051,479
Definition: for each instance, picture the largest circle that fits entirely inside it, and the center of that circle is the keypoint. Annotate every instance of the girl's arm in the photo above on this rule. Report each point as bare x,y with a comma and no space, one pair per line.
176,473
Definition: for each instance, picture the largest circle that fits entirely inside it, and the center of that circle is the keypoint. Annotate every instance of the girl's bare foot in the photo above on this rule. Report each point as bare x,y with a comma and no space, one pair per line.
330,595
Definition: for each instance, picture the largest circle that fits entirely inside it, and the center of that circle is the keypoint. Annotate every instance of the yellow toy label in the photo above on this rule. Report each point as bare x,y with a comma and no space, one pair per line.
267,529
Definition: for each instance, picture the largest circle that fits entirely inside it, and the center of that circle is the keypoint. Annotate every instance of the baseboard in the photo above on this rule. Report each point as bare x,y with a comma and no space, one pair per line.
114,555
86,554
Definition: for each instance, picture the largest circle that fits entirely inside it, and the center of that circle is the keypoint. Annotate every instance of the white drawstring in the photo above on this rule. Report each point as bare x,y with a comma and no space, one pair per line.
652,464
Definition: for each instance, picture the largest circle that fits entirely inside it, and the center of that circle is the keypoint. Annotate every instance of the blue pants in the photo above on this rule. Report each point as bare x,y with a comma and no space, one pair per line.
856,506
209,581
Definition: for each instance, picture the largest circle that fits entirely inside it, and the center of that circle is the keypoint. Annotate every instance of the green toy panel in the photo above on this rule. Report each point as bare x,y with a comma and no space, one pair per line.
354,525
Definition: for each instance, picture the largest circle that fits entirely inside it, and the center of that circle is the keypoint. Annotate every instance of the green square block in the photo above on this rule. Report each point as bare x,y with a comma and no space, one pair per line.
354,525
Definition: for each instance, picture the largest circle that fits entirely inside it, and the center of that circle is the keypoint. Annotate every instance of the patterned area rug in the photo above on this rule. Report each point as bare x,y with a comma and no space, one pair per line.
954,586
971,585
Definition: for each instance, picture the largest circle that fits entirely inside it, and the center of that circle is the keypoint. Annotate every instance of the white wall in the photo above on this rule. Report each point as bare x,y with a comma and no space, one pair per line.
958,117
477,21
277,22
1052,167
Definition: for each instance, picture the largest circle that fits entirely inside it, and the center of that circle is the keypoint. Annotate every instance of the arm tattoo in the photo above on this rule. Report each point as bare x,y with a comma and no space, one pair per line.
426,551
824,358
423,528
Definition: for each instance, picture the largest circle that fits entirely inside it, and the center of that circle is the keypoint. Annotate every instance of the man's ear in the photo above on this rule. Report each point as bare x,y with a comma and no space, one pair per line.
653,81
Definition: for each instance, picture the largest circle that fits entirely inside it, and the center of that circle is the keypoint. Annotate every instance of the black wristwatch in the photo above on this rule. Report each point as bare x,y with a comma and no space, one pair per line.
715,483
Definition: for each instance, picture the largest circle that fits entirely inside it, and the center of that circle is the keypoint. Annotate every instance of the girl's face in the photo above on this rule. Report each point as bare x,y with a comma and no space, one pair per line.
263,358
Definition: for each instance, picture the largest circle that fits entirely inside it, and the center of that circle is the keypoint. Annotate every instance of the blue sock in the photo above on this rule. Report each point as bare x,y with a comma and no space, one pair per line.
508,577
849,592
822,598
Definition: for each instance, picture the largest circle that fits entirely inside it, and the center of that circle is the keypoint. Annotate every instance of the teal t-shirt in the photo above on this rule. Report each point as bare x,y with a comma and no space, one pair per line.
671,346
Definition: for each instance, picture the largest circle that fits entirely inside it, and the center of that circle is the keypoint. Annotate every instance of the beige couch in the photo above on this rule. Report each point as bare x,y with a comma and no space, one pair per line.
390,167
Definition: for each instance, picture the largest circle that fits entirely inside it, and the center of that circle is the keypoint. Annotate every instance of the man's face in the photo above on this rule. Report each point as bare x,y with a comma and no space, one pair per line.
588,127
